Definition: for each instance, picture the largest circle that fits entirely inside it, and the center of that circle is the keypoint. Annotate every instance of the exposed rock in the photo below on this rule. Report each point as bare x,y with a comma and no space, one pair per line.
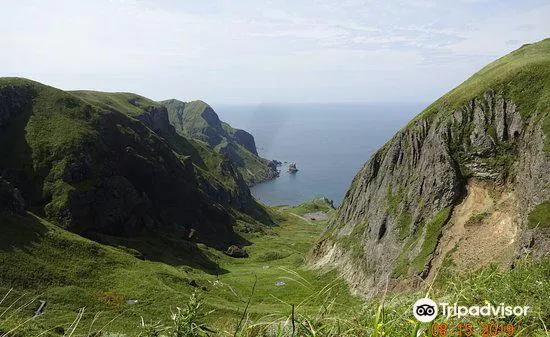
418,176
274,164
246,140
157,120
292,168
13,101
236,251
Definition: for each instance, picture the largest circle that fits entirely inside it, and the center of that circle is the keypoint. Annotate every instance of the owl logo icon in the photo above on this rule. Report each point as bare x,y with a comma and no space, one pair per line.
425,310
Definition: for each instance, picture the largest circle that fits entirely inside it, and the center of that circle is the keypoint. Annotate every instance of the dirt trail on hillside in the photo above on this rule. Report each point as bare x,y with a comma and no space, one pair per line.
482,229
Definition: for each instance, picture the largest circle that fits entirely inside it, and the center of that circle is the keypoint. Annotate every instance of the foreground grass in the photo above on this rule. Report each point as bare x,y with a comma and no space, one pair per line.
87,286
43,262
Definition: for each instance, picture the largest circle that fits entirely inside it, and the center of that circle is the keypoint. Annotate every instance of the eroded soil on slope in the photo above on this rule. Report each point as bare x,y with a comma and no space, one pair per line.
482,229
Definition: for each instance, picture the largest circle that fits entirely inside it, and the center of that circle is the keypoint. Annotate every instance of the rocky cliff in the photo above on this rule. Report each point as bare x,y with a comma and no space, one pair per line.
112,163
197,120
459,185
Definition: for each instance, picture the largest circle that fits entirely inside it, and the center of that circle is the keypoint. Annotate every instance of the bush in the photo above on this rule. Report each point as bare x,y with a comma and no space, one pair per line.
186,322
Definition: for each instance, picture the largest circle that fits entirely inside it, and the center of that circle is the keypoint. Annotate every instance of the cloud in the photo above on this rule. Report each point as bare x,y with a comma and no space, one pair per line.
262,50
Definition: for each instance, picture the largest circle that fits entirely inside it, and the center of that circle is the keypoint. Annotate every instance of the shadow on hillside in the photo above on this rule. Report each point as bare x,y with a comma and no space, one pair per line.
20,231
16,157
164,248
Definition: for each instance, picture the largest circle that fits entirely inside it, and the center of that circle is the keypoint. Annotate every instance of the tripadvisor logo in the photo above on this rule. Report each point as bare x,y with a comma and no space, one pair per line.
425,310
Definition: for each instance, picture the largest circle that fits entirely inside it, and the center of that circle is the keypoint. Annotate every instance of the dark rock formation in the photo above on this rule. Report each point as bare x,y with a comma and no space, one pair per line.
292,168
236,251
157,119
246,140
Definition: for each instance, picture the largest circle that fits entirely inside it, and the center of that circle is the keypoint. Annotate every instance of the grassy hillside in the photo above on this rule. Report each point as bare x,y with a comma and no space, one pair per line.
197,120
129,103
70,272
111,163
207,161
522,76
43,262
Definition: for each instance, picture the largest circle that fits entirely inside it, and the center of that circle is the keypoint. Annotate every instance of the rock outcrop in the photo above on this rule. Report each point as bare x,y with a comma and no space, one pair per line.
246,140
236,251
390,224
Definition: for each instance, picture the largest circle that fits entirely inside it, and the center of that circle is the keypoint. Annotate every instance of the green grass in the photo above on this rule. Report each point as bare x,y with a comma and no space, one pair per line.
53,129
68,146
128,103
476,219
253,168
394,201
540,216
522,76
42,261
402,263
188,120
71,272
431,238
315,205
427,235
404,225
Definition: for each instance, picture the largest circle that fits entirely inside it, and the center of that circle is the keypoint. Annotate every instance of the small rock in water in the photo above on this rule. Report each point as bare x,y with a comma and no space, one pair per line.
280,283
292,168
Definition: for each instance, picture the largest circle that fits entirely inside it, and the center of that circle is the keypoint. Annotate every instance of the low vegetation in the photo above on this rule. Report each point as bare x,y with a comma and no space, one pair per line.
476,219
389,314
523,76
316,205
540,216
43,262
431,237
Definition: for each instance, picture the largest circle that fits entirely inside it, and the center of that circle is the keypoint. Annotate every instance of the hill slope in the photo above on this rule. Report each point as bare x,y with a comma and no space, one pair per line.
466,183
111,163
41,261
197,120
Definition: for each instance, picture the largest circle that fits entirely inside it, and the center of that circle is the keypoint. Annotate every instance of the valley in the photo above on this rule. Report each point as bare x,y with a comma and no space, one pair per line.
125,216
70,273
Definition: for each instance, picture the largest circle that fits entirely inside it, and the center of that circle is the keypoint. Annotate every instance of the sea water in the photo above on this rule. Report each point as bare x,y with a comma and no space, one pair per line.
328,142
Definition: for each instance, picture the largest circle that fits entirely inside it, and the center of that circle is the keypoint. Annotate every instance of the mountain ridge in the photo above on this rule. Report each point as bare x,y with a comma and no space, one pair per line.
198,120
111,163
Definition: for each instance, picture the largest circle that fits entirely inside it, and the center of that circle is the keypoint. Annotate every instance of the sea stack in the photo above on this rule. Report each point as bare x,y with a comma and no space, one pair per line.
292,168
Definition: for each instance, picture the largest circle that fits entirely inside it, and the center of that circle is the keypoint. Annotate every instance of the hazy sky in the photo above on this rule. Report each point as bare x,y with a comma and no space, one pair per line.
264,51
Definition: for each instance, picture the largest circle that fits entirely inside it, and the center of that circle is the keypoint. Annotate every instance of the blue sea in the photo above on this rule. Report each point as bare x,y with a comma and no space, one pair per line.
328,142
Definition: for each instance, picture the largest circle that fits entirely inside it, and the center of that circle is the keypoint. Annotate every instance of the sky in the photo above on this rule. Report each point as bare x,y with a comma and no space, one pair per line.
264,51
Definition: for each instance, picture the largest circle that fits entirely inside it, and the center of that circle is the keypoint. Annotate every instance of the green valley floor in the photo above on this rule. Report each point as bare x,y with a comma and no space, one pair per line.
117,286
106,290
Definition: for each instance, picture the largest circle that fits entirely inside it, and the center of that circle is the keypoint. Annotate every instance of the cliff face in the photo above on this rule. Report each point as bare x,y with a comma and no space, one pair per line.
472,166
112,163
197,120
